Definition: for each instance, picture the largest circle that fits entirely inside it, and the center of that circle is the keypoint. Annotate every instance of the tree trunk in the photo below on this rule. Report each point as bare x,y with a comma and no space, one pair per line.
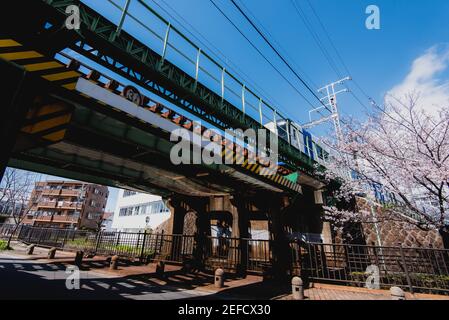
8,244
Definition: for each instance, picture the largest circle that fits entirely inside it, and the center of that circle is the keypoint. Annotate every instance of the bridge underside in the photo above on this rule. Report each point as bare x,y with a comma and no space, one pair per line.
49,127
102,145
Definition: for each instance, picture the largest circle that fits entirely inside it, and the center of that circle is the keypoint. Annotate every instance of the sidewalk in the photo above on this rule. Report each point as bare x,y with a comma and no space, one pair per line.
335,292
197,285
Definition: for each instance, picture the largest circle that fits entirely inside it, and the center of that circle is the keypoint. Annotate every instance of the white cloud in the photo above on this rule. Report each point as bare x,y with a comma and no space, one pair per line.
426,78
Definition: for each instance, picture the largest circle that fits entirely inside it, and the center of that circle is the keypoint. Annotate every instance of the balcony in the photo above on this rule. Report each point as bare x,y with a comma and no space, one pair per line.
67,219
43,218
70,193
48,192
70,205
56,218
47,204
28,220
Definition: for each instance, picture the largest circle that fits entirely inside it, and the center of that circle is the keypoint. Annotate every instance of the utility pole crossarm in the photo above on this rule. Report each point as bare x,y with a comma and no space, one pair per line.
329,100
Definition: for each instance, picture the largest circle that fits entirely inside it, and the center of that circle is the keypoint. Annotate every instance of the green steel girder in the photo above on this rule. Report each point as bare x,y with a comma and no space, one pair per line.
127,56
127,135
74,167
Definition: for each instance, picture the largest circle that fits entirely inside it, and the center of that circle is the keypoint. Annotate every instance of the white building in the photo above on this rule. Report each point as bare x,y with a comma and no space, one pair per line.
138,211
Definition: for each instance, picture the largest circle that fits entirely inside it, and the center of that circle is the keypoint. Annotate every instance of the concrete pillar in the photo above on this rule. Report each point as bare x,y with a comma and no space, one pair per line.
160,268
201,207
51,253
280,247
79,258
175,226
238,207
219,278
30,249
297,288
397,293
177,214
114,263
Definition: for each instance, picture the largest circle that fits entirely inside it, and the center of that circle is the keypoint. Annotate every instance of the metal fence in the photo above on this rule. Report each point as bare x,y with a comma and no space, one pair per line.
414,269
216,252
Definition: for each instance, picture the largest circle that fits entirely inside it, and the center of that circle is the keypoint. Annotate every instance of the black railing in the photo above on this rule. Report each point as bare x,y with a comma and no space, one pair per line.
414,269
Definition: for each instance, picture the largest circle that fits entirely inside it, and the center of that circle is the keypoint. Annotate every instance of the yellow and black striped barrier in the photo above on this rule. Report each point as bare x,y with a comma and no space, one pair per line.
238,158
50,121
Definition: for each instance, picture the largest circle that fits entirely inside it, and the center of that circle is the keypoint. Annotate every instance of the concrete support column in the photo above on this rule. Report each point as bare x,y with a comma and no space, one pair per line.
202,222
17,95
240,225
172,242
280,246
177,214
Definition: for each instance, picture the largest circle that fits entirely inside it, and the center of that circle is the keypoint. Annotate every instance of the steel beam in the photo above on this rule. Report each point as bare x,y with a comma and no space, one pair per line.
127,56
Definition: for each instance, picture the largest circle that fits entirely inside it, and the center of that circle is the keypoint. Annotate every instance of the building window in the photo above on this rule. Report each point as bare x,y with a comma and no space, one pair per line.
128,193
154,207
93,216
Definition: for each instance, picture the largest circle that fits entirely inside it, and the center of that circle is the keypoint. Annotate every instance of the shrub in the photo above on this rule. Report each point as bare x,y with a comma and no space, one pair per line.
3,245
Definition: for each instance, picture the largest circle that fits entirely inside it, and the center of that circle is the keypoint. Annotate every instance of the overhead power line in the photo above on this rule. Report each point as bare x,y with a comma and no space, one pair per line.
213,49
261,53
301,14
339,56
282,49
278,54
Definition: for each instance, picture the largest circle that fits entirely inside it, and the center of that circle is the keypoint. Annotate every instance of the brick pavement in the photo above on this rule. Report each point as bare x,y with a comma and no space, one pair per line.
335,292
251,287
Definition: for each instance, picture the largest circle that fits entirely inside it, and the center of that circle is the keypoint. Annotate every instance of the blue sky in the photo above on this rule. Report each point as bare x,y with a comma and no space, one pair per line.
379,60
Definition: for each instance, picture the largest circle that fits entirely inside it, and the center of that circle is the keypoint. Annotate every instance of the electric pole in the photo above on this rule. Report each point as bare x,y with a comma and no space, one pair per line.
329,101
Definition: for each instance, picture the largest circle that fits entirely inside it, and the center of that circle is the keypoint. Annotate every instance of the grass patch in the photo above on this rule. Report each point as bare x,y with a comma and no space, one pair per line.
107,248
3,245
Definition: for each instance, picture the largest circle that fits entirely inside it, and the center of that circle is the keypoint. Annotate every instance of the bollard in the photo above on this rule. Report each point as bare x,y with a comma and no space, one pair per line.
397,293
30,249
160,268
79,258
52,253
219,278
297,288
114,263
188,267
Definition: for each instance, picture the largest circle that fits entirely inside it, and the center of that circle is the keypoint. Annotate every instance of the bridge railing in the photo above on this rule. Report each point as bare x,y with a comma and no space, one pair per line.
159,34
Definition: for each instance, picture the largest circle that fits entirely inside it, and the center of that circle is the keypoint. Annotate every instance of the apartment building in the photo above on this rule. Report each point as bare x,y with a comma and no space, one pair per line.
67,204
138,212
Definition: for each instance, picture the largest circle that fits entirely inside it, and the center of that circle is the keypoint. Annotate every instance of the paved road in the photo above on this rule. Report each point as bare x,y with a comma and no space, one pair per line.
21,278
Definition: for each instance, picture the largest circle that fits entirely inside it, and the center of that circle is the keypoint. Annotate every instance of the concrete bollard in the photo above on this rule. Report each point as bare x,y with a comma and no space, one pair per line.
79,258
219,278
160,268
30,249
397,293
114,263
297,288
51,253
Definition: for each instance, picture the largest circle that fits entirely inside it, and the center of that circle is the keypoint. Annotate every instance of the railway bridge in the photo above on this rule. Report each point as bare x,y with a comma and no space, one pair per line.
98,104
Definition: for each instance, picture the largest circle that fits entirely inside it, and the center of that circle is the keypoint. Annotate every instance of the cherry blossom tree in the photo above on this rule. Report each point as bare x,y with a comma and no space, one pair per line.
403,148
